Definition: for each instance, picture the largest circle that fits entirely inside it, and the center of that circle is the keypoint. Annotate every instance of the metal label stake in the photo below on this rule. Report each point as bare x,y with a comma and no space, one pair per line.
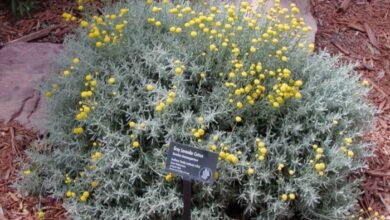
187,199
191,164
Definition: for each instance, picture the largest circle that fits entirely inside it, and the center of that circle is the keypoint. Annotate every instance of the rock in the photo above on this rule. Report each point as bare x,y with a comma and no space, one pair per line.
22,67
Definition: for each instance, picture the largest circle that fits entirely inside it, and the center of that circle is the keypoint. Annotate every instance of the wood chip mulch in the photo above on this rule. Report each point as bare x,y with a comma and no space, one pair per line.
359,30
47,21
13,141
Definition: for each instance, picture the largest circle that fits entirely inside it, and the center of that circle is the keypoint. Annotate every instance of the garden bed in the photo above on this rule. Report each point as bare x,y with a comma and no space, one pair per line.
342,28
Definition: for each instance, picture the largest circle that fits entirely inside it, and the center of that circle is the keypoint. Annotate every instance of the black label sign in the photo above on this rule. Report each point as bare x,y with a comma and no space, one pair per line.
191,163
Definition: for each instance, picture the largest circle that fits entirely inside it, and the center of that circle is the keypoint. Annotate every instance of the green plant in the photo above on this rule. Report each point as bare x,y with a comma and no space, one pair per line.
285,122
21,8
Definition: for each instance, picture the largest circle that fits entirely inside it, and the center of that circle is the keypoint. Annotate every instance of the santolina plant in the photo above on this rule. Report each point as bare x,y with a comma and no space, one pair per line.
232,79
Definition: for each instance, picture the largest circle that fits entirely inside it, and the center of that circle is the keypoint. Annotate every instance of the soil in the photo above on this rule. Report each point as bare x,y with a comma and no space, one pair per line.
359,30
48,15
13,141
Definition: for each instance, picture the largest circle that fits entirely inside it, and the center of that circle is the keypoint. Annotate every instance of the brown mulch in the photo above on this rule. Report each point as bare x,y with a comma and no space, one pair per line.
49,14
360,31
13,141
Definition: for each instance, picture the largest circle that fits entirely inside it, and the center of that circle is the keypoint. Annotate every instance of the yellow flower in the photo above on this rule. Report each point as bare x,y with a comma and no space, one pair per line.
365,83
291,196
135,144
84,24
99,44
350,153
169,177
96,156
119,27
280,166
250,171
213,147
348,141
94,184
66,73
149,87
160,107
232,159
193,34
112,17
156,9
111,80
93,83
78,130
41,214
70,194
294,10
284,197
132,124
298,83
320,167
178,70
83,198
213,47
311,47
178,30
86,94
88,77
48,94
216,175
81,116
263,150
27,172
238,119
86,194
158,23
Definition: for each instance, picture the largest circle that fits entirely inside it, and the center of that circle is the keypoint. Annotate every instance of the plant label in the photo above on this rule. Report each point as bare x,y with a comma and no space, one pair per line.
191,163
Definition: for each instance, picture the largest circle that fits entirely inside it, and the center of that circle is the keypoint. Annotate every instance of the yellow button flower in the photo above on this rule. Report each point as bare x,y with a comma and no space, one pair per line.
149,87
193,34
41,214
66,73
135,144
250,171
178,70
111,80
99,44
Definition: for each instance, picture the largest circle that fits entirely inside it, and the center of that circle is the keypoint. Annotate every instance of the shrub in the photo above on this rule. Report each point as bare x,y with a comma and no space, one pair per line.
285,122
